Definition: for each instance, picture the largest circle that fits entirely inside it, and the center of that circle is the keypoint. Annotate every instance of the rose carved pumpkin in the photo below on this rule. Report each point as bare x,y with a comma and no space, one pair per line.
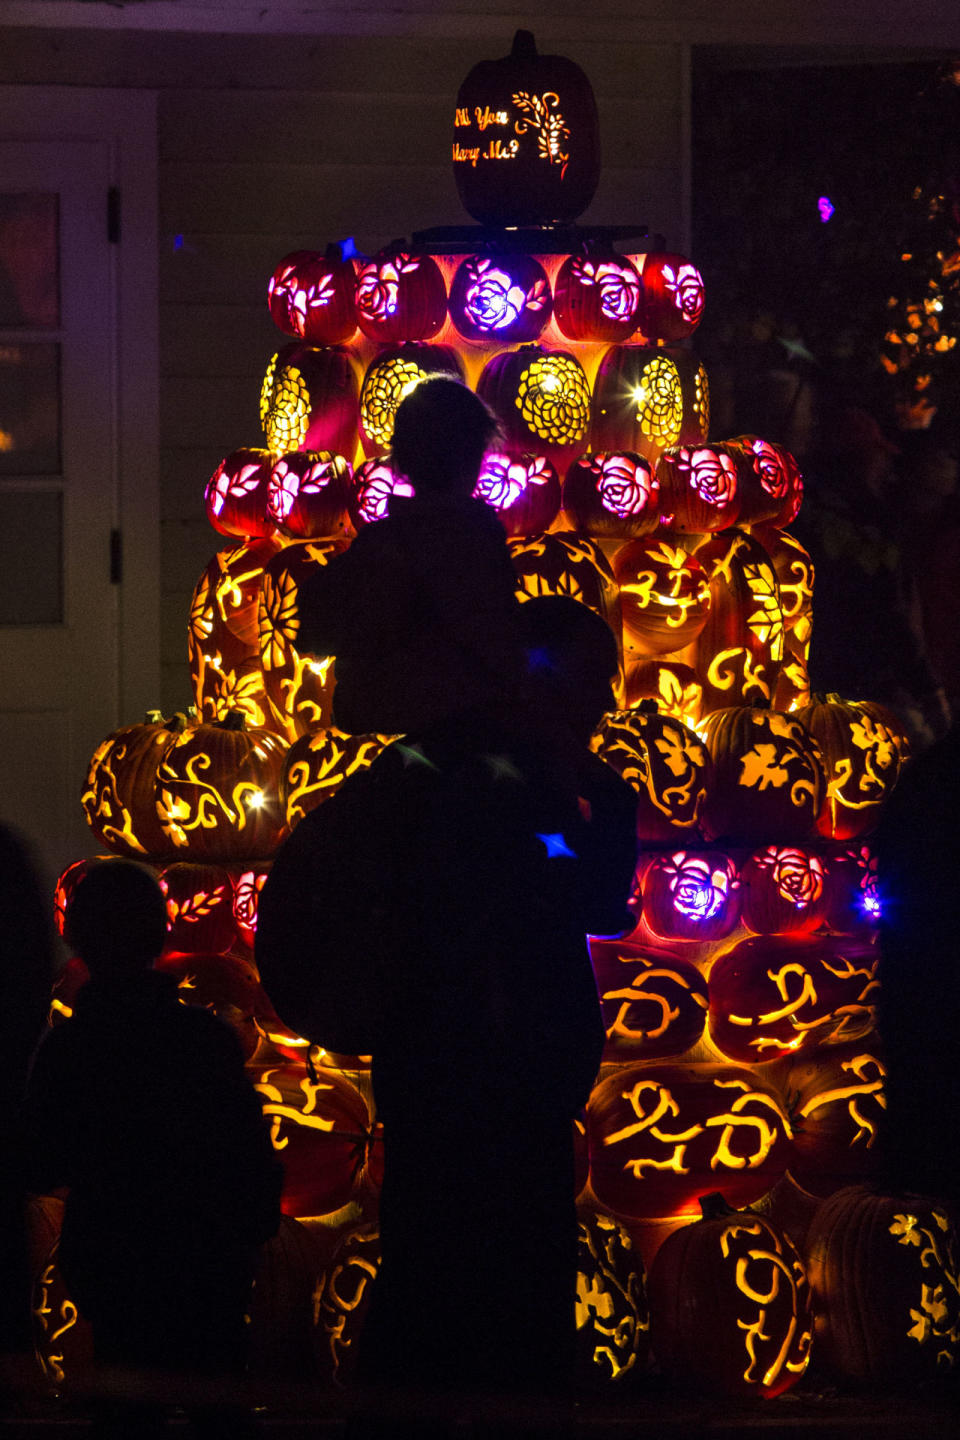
666,764
526,143
691,894
525,493
611,496
311,296
308,400
672,297
309,495
236,495
597,297
730,1305
699,488
502,299
784,890
400,297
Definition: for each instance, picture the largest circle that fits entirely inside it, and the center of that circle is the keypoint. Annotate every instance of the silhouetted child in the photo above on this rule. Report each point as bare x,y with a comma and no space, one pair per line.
142,1107
421,610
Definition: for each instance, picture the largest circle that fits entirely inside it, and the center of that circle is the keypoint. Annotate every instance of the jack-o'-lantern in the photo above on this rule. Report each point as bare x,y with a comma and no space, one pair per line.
699,488
836,1103
217,792
597,297
542,401
226,985
311,296
308,400
309,495
861,762
772,995
792,690
784,890
199,900
691,894
400,296
666,764
885,1275
566,563
235,498
342,1300
654,1006
247,884
66,986
661,1136
771,486
526,138
853,891
611,496
317,765
674,686
66,886
794,571
613,1320
739,651
299,685
375,482
502,299
730,1306
62,1338
695,390
767,776
322,1131
222,635
389,379
638,402
119,796
664,597
525,493
672,297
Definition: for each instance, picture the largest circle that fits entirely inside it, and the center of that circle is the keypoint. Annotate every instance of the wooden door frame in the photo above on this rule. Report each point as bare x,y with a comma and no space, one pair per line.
127,121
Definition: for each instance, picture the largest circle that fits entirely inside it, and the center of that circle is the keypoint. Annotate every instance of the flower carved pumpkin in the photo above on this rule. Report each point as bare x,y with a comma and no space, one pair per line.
199,901
691,895
699,489
309,495
597,297
525,493
391,376
666,764
400,297
767,776
611,496
504,299
853,891
654,1006
730,1304
375,482
662,1135
764,478
236,495
861,761
664,597
308,400
299,685
672,685
672,297
784,890
638,402
542,400
247,885
311,296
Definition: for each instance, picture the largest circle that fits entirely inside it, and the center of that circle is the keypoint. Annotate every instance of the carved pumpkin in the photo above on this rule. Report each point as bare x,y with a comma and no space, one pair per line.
247,884
222,637
638,402
666,764
374,483
322,1131
662,1135
526,140
853,891
597,297
674,686
654,1006
400,296
119,796
691,894
62,1338
309,495
730,1305
389,378
341,1306
235,498
299,685
794,571
611,496
784,890
699,488
861,761
764,479
566,563
311,296
613,1320
308,400
885,1275
317,765
767,776
695,390
502,299
836,1103
525,493
672,297
217,791
199,909
664,597
773,995
226,985
739,651
542,401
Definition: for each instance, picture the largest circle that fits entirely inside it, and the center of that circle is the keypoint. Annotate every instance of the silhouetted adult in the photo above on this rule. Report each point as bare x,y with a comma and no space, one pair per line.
26,967
482,875
142,1107
420,611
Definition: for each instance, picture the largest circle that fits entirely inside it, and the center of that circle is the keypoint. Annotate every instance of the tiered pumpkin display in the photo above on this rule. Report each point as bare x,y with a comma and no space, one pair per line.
741,1056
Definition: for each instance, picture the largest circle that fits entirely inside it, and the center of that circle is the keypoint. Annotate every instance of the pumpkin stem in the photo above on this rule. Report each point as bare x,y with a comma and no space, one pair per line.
648,706
233,720
178,721
524,46
153,717
713,1206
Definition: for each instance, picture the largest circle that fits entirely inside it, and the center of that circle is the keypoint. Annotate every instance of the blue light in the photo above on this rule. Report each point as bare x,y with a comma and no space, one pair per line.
348,248
826,207
178,242
557,845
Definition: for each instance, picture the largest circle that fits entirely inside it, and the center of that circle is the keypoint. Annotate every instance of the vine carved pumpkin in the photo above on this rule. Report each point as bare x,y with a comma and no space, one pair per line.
767,776
667,765
317,765
311,296
654,1006
566,563
119,796
612,1316
664,597
835,1097
730,1305
299,685
861,762
738,653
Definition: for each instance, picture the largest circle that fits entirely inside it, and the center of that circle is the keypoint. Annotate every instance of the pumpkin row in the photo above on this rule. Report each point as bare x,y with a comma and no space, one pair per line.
634,398
398,295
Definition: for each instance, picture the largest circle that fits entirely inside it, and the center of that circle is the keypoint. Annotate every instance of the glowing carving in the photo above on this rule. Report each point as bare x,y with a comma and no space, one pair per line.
502,481
553,398
386,384
699,890
796,874
619,286
626,486
541,113
611,1313
284,406
374,483
936,1316
659,402
684,284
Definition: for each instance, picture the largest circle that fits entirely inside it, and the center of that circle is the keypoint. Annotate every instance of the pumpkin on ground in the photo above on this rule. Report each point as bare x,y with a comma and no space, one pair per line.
613,1320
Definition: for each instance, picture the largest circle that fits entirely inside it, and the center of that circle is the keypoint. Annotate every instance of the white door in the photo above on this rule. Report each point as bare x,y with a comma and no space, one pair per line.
61,460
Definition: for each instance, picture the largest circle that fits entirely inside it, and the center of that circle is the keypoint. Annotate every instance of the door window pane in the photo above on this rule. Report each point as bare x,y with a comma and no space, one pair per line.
31,557
30,409
29,262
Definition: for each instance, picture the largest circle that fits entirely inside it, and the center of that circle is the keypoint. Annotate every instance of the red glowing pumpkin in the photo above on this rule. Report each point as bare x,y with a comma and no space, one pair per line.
611,496
308,400
654,1006
309,495
691,894
375,482
699,489
784,890
672,297
525,493
502,299
236,494
311,296
400,296
199,902
597,297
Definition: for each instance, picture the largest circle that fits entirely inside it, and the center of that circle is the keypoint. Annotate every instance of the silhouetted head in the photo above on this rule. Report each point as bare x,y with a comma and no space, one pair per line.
116,920
440,435
571,656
